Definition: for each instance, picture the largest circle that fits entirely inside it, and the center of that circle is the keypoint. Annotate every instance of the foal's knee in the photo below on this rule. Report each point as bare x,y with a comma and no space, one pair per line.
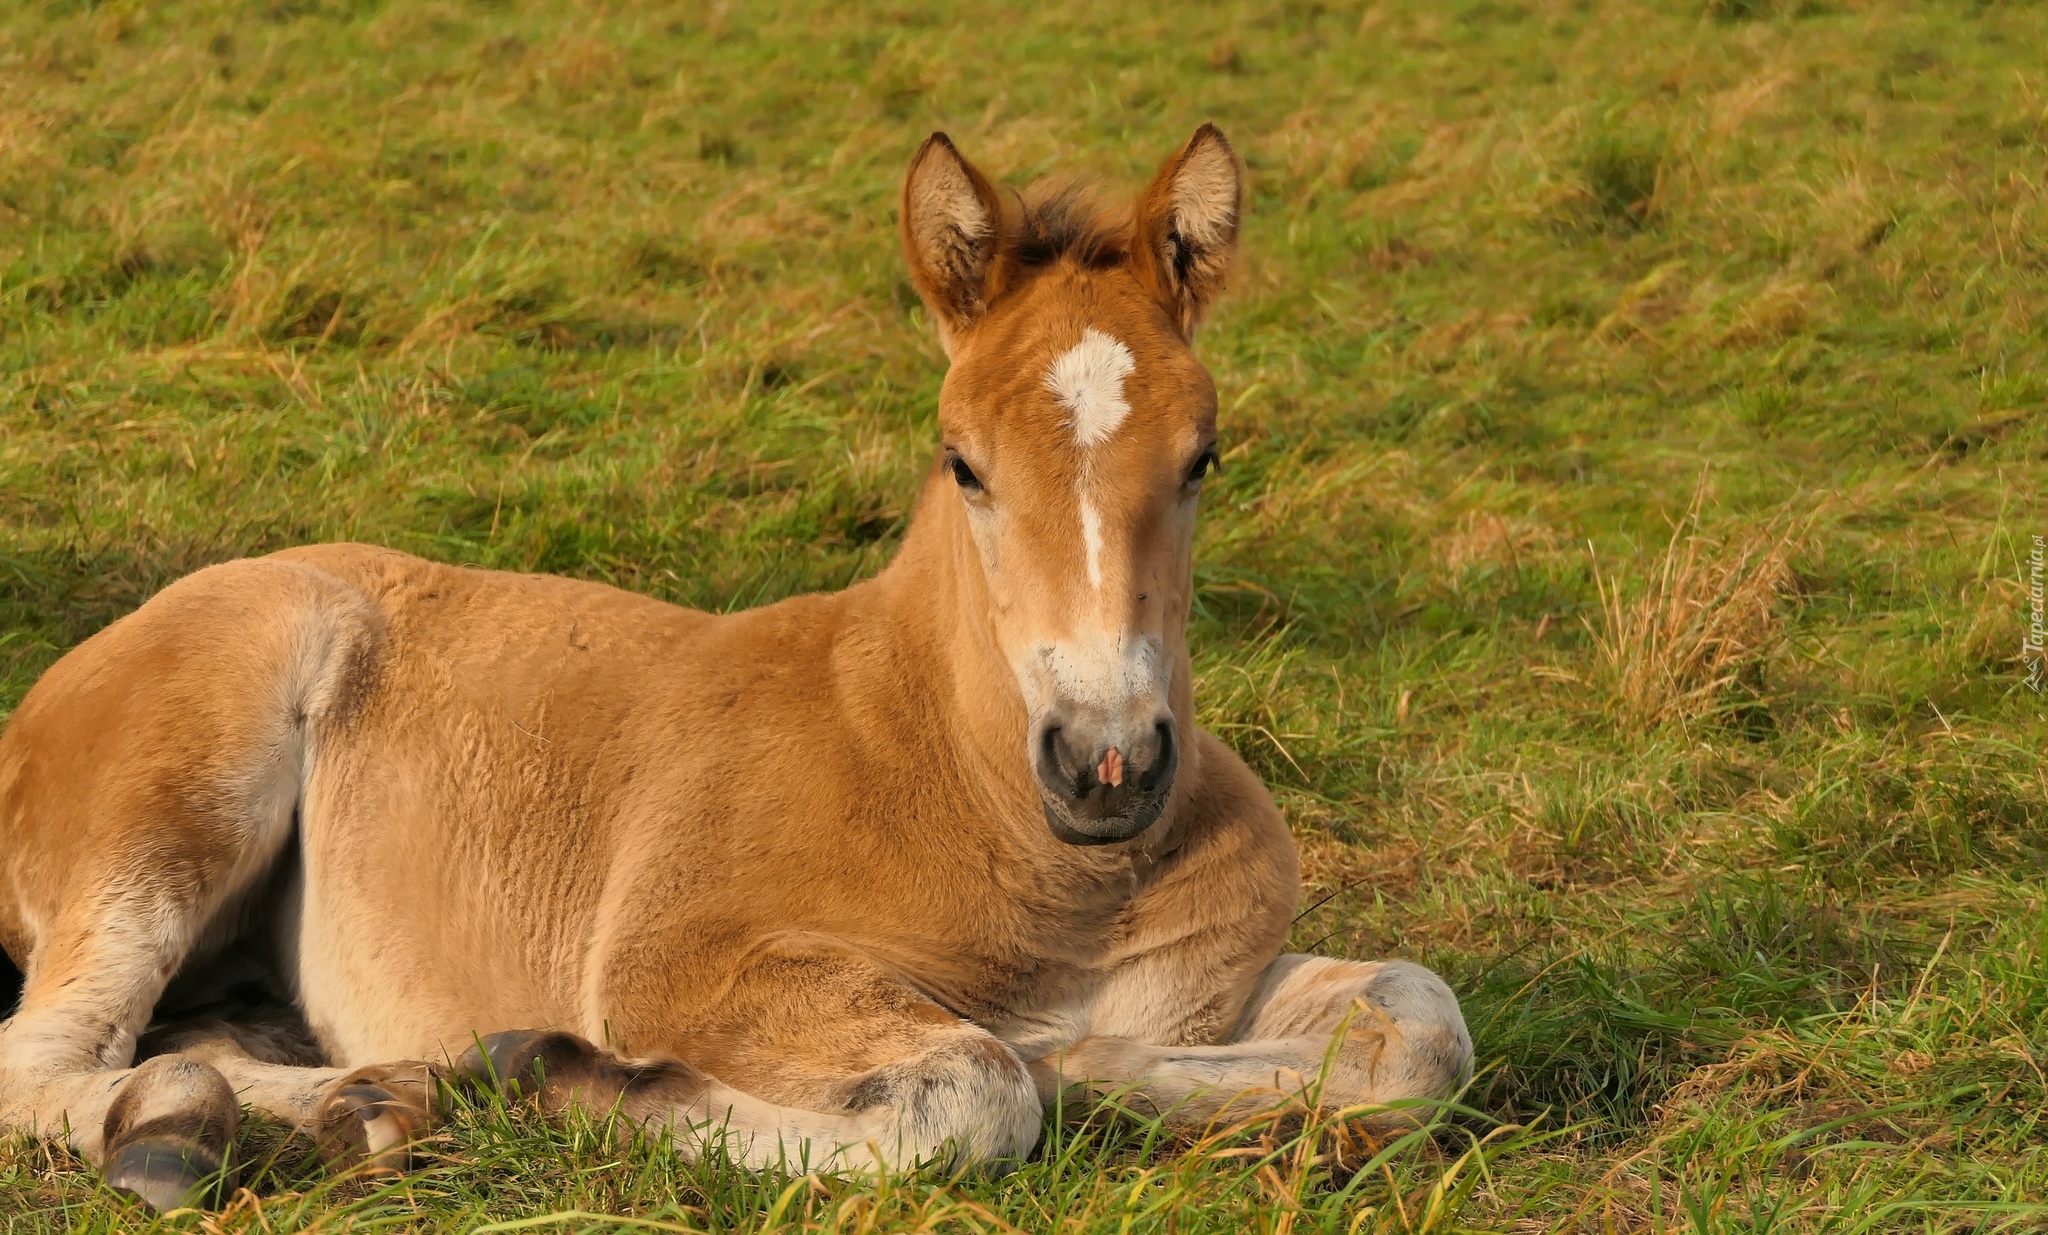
1432,1053
1404,1036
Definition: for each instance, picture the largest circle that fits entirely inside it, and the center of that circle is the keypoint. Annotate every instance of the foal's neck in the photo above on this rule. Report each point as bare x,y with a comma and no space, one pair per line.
955,678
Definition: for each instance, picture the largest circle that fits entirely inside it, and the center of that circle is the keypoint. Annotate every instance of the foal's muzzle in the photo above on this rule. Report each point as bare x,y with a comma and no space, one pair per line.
1101,785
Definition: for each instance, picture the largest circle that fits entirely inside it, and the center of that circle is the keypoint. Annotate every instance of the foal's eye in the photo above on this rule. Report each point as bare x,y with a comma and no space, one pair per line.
963,475
1202,466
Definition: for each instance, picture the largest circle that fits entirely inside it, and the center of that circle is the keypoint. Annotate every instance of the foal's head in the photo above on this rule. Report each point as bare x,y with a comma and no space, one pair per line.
1078,427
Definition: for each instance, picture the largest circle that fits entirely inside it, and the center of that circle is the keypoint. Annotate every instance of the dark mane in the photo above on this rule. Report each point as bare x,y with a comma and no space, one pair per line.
1065,219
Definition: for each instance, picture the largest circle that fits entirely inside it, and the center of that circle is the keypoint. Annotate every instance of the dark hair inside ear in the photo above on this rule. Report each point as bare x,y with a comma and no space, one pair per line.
1187,225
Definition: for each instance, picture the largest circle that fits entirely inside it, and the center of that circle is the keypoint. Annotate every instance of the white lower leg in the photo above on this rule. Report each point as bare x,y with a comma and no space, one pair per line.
963,1102
68,1107
1338,1033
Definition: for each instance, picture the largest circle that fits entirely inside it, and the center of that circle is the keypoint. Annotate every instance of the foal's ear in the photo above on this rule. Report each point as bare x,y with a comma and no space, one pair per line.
1187,225
952,226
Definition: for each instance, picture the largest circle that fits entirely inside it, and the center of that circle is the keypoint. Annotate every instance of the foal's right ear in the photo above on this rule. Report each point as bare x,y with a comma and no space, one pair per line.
952,226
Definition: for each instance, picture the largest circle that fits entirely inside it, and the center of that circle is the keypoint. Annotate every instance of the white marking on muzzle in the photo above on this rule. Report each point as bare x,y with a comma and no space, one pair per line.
1104,673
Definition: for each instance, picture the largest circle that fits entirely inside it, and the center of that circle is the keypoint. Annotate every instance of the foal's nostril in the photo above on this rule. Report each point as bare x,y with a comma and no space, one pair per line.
1056,765
1161,763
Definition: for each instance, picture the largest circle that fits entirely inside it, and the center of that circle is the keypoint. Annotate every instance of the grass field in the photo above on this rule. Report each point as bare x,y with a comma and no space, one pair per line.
1636,420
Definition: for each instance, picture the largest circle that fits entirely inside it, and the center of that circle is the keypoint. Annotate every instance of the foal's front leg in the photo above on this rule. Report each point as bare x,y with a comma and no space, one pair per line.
1342,1033
801,1051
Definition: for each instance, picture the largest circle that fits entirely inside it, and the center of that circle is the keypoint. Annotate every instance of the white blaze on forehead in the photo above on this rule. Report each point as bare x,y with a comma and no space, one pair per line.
1089,378
1091,536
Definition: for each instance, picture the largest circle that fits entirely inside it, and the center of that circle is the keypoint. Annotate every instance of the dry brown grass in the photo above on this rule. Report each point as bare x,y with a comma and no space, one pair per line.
1692,644
1486,539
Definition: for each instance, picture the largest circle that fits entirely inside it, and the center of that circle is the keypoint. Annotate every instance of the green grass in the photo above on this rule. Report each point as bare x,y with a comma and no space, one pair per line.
1738,864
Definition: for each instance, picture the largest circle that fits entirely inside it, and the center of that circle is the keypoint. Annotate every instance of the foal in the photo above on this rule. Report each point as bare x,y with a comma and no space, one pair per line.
851,879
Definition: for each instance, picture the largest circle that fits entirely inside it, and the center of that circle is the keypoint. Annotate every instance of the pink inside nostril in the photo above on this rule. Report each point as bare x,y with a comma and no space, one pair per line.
1112,770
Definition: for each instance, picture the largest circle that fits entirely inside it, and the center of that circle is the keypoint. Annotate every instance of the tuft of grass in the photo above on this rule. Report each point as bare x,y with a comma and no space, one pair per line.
1739,10
1620,172
1693,643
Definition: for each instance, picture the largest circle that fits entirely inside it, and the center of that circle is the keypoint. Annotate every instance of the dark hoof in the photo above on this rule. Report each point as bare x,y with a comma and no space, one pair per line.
166,1174
168,1131
561,1070
527,1061
374,1117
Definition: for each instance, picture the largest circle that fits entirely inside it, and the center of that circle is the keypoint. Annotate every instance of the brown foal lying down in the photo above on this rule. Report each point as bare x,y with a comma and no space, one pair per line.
850,879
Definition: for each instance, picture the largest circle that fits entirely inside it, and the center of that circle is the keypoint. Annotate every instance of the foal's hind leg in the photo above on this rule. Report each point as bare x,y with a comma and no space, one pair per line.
157,1130
147,784
163,1128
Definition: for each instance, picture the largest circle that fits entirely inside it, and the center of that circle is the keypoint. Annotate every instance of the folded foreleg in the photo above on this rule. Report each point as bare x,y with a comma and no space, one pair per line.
812,1056
1340,1036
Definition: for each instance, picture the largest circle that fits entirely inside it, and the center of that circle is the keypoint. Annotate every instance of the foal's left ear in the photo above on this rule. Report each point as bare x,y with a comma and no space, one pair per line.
1187,225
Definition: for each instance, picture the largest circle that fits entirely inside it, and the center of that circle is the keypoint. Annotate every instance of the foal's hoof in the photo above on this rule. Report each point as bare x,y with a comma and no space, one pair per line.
373,1117
547,1063
168,1132
563,1070
166,1173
